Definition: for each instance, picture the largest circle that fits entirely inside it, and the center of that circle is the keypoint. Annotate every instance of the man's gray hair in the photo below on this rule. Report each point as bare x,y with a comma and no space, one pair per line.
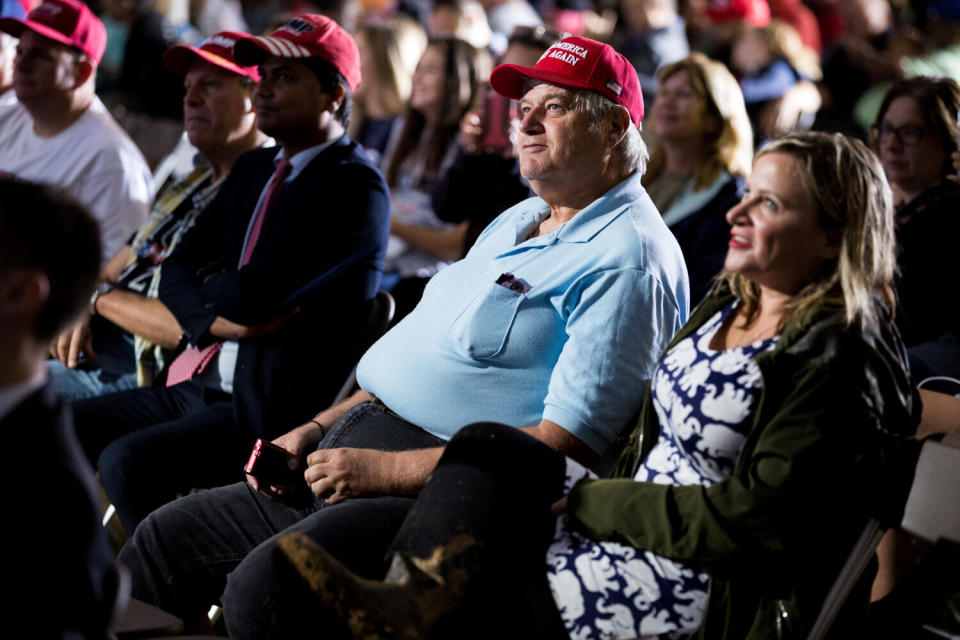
631,149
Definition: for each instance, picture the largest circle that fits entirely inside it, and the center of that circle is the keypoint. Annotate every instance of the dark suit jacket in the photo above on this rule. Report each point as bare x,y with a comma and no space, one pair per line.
321,249
57,547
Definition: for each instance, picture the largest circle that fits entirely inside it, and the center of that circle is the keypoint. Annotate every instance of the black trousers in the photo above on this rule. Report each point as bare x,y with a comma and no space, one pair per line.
151,444
218,546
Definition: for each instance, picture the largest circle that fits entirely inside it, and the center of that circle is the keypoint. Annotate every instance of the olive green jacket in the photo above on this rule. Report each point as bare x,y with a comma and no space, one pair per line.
827,449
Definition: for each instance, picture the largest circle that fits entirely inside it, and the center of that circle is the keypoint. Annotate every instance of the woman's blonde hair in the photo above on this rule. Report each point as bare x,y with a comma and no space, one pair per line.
783,41
849,190
395,46
730,149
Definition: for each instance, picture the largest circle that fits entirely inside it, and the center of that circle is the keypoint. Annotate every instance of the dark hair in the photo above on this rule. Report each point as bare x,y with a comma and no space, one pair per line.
536,37
42,228
939,100
461,62
329,78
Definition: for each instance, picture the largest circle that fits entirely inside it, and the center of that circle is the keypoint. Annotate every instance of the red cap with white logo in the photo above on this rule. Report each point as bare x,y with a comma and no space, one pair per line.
217,50
68,22
579,63
306,36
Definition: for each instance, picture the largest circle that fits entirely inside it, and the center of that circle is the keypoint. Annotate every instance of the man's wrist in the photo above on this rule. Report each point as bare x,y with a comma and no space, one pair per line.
101,289
318,425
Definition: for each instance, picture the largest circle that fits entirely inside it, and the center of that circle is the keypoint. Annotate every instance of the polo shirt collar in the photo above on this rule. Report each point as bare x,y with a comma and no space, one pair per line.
589,221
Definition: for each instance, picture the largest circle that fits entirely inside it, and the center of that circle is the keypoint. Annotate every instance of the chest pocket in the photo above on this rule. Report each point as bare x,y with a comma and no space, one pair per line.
481,330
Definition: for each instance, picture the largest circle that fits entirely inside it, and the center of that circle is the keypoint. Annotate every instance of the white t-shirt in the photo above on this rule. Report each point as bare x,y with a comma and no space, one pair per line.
93,159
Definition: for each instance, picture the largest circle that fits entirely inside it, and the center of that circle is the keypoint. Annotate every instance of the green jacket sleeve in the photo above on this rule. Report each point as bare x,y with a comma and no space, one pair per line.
798,470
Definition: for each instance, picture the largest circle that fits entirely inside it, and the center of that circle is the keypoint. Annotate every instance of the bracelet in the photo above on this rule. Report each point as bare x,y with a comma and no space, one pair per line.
320,426
101,289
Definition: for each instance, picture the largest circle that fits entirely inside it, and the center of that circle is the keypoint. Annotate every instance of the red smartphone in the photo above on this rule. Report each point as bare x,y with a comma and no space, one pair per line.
273,465
498,111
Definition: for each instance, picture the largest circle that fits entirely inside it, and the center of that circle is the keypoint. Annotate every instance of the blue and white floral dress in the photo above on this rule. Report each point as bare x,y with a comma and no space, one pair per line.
703,399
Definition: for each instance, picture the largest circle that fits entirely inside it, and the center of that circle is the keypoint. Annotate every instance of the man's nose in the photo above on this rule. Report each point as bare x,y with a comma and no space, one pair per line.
530,122
192,95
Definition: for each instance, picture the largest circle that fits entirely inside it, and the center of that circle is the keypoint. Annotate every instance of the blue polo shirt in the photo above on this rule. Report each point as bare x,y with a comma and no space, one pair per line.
565,327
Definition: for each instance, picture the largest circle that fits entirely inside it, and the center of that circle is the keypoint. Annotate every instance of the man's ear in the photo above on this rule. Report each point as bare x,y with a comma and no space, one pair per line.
337,95
83,69
619,124
23,293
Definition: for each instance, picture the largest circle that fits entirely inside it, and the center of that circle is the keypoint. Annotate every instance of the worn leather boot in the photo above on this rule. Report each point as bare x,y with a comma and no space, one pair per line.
410,603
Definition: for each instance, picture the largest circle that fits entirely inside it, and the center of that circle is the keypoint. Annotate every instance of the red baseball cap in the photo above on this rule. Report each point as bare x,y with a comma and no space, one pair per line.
580,63
306,36
66,21
755,13
217,50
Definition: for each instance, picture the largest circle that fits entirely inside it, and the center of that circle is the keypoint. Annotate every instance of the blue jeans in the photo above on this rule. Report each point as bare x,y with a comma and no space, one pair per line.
180,557
79,383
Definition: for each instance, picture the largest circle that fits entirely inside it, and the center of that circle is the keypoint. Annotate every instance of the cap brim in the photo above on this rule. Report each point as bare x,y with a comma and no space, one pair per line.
253,49
508,80
16,27
178,59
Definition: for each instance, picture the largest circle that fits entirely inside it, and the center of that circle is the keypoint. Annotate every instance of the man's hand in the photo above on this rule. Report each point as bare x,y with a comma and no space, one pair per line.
223,328
298,442
339,474
67,346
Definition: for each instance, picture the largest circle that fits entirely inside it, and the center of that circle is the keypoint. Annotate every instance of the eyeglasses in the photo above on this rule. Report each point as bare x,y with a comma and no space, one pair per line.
908,135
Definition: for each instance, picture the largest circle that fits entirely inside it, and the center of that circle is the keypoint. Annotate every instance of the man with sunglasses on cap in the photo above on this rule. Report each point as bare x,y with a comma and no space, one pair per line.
59,133
129,334
552,323
271,286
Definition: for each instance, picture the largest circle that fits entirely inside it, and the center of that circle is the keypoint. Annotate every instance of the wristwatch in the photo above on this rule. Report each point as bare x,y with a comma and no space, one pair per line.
101,289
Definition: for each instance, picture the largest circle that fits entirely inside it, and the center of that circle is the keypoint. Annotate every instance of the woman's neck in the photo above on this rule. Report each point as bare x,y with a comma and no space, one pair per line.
681,158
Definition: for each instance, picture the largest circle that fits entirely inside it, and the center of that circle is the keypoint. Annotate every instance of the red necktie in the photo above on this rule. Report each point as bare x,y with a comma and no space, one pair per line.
192,360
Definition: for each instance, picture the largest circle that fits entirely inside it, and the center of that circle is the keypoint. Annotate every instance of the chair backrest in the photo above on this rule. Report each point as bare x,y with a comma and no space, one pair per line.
932,512
860,556
382,308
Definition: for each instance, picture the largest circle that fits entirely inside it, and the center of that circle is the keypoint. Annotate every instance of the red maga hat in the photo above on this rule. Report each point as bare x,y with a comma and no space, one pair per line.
306,36
217,50
755,13
66,21
579,63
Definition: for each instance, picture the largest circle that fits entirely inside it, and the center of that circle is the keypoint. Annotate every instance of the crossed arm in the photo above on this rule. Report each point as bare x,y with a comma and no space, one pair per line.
146,317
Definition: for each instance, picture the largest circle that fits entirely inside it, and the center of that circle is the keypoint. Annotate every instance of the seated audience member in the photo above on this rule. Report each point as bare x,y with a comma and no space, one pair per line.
444,87
551,324
504,16
8,51
755,493
129,334
654,36
463,19
701,151
49,256
487,155
771,62
388,59
271,286
142,82
59,133
915,133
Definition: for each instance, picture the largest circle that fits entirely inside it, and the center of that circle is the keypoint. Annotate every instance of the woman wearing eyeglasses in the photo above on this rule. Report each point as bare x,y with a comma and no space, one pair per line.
915,133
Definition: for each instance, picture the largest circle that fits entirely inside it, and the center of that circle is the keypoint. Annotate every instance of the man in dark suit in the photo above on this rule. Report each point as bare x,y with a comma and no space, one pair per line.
49,258
270,288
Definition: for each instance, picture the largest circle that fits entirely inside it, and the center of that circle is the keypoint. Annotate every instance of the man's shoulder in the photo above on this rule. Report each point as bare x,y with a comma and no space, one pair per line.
97,133
344,155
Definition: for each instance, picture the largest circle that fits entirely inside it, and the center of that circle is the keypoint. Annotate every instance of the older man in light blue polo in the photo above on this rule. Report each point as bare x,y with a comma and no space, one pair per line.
552,323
